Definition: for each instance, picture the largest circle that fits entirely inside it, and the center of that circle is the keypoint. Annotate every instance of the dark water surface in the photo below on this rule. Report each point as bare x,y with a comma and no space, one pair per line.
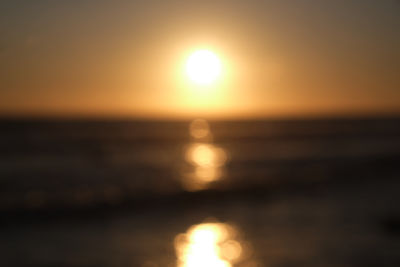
215,194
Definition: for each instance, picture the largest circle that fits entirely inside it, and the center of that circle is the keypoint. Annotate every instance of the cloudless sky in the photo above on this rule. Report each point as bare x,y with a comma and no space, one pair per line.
126,58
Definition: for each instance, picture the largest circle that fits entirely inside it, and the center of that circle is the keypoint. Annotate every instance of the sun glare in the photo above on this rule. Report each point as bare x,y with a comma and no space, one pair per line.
203,67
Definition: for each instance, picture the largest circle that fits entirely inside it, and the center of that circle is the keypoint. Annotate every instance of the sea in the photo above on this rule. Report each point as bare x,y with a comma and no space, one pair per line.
200,193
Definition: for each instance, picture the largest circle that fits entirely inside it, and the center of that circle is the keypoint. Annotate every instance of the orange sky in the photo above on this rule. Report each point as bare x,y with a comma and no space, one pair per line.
120,58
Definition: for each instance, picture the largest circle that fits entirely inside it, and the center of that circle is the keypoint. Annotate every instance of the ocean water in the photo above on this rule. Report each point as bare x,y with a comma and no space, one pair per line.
200,193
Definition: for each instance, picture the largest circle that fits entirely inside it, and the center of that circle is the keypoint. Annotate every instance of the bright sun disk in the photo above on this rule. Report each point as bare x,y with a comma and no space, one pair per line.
203,67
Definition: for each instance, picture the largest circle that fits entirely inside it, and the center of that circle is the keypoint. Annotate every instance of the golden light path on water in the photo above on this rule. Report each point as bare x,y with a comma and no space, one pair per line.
208,244
206,159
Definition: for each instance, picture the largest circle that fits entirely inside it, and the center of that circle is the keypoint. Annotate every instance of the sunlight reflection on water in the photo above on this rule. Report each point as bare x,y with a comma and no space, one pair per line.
206,159
209,244
199,129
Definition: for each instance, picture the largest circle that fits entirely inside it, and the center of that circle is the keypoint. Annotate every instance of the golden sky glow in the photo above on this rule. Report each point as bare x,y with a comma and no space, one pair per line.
131,58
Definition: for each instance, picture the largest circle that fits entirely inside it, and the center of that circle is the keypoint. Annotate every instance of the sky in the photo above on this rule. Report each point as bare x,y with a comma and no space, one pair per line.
127,58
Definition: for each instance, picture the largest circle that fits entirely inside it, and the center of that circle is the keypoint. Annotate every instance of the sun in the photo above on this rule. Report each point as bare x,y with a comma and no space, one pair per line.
203,67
